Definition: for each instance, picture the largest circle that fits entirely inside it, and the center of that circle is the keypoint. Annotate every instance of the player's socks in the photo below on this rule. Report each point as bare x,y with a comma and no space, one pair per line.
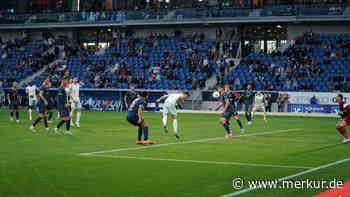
78,117
227,128
165,119
343,132
240,124
246,116
145,133
60,124
11,115
45,122
30,114
165,130
17,115
249,116
68,125
71,116
50,115
36,121
175,126
139,134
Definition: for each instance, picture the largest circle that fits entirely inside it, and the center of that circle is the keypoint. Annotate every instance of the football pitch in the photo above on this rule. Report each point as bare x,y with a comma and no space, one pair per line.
102,159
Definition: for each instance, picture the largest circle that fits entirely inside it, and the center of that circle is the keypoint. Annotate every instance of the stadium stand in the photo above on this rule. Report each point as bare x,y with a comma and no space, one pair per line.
316,62
22,57
154,62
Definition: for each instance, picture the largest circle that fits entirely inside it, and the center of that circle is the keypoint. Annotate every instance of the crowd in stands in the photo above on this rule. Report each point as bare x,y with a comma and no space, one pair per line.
158,61
19,58
316,62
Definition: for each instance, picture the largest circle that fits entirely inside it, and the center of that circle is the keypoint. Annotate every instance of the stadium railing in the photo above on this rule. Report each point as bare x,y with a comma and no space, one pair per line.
173,15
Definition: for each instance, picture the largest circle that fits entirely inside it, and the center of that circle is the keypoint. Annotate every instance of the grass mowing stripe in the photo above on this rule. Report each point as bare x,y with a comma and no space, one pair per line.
291,176
191,141
202,162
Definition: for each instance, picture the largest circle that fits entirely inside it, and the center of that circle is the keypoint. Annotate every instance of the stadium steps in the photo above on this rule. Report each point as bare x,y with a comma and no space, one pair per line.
37,74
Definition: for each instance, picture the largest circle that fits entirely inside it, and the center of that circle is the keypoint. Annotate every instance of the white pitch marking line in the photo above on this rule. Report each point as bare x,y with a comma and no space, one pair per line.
291,176
191,141
202,162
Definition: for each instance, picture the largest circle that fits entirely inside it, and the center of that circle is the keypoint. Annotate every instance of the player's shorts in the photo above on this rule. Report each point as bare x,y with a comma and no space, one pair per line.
76,105
259,108
42,108
32,102
133,119
248,106
50,106
229,115
64,112
169,108
14,106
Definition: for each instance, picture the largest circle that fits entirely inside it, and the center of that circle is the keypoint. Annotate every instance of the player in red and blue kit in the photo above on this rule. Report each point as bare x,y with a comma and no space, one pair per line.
344,112
134,117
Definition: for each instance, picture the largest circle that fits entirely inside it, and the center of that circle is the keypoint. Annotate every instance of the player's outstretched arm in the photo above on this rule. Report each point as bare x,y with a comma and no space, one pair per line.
8,99
227,104
139,113
162,98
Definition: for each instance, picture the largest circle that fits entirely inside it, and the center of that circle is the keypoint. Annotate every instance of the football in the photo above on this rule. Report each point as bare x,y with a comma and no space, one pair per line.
216,94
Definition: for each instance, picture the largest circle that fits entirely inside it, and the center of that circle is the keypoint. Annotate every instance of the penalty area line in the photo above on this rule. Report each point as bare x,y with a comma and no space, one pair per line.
201,162
192,141
291,176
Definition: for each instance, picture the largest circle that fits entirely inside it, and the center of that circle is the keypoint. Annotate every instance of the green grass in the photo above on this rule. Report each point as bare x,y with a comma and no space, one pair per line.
43,164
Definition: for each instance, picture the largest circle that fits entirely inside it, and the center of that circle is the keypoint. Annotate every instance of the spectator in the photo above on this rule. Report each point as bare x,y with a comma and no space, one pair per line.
313,100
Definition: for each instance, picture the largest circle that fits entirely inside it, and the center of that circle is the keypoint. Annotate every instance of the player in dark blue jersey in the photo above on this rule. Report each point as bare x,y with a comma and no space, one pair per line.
229,110
51,102
63,107
248,99
42,105
14,101
134,117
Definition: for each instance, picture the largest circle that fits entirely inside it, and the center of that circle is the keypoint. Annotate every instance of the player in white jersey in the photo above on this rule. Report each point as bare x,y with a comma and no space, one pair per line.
75,101
31,91
259,104
169,107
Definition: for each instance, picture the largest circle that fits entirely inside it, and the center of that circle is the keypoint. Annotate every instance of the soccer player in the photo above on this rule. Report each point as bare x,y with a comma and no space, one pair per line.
63,107
2,96
75,101
134,117
229,110
14,101
51,101
31,91
43,103
344,112
259,104
248,96
129,97
234,100
169,107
